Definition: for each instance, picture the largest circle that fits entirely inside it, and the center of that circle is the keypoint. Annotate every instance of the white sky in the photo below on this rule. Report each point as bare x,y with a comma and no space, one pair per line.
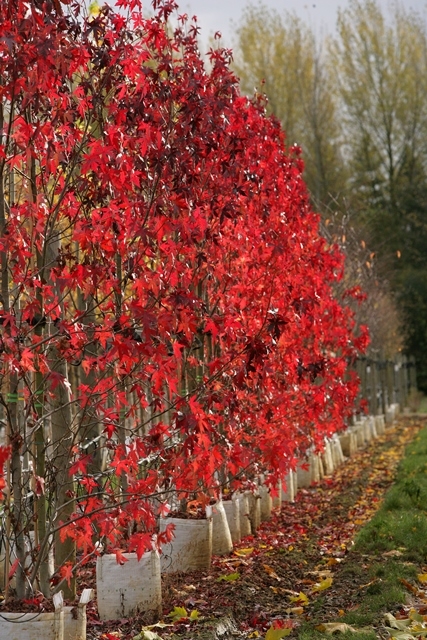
219,15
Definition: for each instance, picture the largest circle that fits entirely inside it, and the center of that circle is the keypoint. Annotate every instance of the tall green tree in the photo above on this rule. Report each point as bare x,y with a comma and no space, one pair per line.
380,66
380,72
277,54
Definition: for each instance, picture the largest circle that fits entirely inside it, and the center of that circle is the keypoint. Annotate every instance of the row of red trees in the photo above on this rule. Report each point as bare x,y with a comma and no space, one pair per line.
168,317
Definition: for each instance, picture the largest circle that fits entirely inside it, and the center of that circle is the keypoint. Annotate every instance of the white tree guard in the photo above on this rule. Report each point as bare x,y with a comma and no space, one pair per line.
305,477
34,626
222,543
380,424
266,503
191,548
125,589
75,617
337,452
289,487
232,512
244,513
348,441
372,427
320,466
277,497
359,430
254,502
328,462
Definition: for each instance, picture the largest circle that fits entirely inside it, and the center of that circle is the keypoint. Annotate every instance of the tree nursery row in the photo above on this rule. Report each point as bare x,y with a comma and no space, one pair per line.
169,328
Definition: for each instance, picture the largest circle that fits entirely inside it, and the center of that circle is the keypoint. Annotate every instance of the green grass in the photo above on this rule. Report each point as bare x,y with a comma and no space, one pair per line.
400,525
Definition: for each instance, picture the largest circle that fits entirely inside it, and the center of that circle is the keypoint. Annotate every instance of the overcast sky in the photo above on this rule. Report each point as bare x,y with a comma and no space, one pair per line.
219,15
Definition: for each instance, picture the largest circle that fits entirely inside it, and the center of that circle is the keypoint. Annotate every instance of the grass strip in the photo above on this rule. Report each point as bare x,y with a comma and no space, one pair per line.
380,573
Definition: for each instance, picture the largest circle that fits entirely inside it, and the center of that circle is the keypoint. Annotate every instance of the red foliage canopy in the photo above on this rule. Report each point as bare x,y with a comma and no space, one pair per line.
160,241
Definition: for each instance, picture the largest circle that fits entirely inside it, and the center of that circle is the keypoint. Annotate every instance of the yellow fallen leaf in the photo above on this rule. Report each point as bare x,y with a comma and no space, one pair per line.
414,615
177,613
277,634
322,585
244,552
230,577
147,635
298,611
302,598
422,577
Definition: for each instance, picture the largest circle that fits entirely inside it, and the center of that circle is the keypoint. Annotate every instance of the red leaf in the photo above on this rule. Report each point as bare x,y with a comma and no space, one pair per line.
66,572
120,558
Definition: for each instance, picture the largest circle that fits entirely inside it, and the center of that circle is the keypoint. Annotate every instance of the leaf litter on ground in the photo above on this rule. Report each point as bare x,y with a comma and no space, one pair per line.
279,574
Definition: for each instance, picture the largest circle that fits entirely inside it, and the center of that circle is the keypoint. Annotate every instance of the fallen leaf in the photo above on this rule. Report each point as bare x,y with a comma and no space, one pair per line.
422,577
276,634
271,572
301,598
335,627
230,577
324,584
178,613
415,615
368,584
402,625
147,635
244,552
332,561
158,625
409,586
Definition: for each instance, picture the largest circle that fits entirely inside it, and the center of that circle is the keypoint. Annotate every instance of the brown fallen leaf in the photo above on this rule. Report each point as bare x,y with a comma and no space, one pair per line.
271,572
410,587
332,561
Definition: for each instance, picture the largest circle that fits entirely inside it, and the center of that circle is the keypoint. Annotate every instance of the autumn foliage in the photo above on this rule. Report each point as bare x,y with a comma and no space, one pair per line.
163,275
